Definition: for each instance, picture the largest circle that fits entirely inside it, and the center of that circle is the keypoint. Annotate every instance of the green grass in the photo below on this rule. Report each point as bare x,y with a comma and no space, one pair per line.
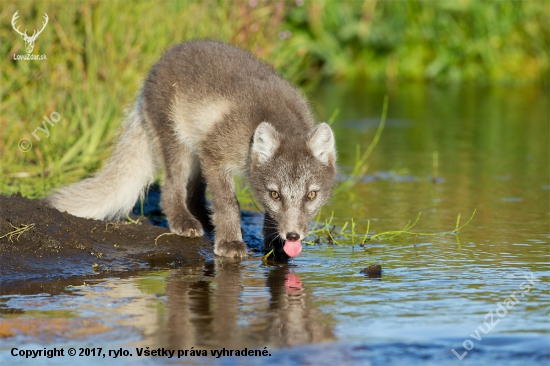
443,41
99,52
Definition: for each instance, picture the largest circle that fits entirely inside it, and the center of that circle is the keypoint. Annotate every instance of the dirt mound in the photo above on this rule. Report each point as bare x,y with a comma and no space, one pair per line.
40,245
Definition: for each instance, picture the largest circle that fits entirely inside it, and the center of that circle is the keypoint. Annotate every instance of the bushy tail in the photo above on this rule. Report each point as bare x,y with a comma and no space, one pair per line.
114,190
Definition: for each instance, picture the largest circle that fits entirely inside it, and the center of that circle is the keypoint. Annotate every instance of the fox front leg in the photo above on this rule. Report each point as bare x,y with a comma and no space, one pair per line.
226,215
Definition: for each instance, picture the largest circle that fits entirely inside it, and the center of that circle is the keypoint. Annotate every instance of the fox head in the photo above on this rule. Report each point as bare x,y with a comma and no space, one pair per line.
292,177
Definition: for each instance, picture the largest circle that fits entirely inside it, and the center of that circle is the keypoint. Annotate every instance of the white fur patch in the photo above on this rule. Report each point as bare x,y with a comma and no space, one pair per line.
321,144
266,142
193,121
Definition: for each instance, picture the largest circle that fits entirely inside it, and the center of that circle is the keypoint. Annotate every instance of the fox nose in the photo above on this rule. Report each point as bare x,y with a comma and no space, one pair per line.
292,236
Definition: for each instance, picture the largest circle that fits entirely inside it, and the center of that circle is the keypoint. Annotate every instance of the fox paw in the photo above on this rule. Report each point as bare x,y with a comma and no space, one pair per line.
231,249
190,228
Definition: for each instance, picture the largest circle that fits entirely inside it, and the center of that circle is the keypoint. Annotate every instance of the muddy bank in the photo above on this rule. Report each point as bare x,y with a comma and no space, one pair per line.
51,247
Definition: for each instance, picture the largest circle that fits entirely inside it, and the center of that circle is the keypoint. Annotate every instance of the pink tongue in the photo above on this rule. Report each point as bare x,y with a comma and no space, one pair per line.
292,248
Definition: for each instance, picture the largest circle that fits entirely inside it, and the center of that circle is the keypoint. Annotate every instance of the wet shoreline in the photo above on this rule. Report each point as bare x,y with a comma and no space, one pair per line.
58,246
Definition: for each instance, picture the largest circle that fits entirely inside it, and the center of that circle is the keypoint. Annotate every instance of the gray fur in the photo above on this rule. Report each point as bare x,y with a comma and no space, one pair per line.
212,111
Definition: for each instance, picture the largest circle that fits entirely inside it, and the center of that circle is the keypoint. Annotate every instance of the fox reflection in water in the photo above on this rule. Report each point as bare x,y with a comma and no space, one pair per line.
214,309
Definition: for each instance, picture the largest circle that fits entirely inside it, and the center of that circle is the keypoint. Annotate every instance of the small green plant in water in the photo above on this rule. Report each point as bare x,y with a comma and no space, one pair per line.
360,167
328,232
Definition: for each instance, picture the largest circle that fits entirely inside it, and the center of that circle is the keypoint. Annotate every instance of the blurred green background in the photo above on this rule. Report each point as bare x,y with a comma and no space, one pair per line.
99,52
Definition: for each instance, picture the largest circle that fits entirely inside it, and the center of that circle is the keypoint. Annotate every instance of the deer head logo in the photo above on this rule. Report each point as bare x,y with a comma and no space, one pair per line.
29,41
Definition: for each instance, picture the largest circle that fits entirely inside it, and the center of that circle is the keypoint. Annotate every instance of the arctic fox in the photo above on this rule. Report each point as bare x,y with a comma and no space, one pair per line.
208,111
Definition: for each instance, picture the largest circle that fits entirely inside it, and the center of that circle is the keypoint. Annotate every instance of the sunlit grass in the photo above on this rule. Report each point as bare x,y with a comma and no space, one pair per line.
98,54
443,41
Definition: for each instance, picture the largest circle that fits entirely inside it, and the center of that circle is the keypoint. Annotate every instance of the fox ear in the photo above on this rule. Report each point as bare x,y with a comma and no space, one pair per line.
321,144
266,141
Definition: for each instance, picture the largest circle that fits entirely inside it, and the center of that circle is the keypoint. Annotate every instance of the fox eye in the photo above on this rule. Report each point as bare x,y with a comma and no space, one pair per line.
275,195
311,195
